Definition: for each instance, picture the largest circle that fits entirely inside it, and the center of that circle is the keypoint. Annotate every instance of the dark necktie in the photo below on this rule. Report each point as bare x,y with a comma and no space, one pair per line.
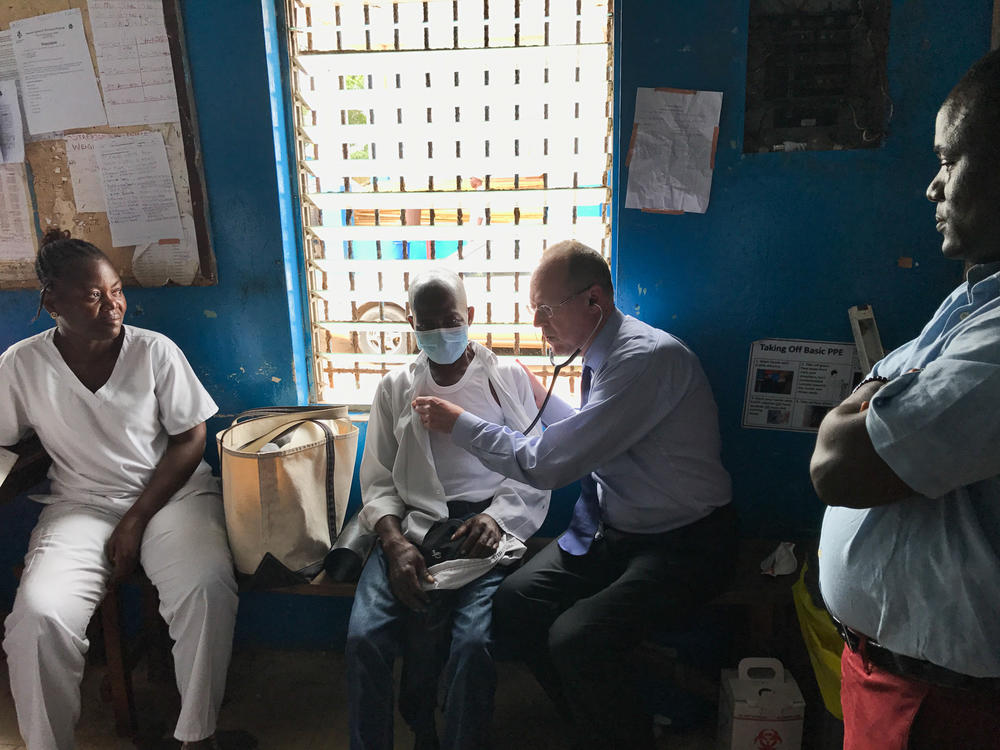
587,512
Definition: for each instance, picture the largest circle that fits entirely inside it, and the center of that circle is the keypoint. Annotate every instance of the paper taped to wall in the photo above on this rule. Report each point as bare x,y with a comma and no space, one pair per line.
17,239
672,154
56,73
133,56
138,189
11,127
88,194
156,263
8,63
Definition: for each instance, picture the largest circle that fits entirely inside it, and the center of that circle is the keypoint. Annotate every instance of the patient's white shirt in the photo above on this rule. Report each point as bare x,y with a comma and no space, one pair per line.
461,474
398,472
104,445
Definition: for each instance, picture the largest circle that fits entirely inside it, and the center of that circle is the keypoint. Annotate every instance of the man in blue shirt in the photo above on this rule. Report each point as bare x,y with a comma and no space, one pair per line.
910,467
652,533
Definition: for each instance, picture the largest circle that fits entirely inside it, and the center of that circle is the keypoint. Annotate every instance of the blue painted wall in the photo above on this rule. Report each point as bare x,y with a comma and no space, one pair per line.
789,241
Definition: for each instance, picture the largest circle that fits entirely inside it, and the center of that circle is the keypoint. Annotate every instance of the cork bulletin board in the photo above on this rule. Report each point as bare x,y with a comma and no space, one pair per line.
181,257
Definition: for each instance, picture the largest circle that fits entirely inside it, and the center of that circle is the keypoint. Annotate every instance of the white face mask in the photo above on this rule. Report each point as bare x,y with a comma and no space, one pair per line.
444,345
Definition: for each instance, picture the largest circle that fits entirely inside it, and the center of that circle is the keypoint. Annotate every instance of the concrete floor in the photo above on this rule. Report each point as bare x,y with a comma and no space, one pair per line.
295,701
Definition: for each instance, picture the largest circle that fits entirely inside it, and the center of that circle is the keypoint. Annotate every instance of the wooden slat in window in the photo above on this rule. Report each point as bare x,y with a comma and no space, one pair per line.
351,29
348,327
496,200
334,26
470,233
381,34
348,358
500,25
501,160
440,25
410,29
468,61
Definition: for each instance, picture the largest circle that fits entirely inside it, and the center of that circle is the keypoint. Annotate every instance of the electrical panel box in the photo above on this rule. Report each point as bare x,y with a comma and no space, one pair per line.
816,75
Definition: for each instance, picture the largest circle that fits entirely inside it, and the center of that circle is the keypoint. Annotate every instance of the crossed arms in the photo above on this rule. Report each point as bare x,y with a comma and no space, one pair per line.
845,468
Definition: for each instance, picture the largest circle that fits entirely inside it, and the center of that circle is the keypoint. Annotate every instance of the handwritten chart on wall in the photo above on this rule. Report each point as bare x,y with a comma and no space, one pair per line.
98,136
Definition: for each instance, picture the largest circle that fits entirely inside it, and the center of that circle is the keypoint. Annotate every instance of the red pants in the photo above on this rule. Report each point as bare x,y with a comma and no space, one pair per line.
883,711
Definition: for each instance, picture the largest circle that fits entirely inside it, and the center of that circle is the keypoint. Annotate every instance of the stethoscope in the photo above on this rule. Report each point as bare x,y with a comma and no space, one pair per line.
559,367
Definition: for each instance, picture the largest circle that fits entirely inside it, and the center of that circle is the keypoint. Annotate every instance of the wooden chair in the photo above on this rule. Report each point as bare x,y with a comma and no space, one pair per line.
123,654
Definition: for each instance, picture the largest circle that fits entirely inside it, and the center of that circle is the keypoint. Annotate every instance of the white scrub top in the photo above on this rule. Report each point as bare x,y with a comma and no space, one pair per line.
104,445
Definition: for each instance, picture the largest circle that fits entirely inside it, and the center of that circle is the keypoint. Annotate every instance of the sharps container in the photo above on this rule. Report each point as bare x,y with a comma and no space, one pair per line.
760,707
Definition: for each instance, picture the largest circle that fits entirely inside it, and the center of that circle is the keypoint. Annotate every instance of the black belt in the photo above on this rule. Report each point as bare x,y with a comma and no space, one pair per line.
912,668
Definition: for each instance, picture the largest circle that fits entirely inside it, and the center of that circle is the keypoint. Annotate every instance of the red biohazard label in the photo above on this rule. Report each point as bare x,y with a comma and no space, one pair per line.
767,739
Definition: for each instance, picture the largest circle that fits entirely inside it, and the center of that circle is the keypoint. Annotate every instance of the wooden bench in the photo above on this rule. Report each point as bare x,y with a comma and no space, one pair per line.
765,601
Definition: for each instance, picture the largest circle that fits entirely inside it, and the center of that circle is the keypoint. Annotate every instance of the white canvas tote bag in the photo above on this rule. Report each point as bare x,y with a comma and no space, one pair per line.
289,500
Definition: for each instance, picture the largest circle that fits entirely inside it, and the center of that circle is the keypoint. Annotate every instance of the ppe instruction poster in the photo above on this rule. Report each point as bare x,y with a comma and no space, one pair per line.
793,383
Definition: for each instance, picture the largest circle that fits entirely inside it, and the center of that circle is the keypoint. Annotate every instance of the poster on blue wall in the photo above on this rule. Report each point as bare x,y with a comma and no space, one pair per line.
793,383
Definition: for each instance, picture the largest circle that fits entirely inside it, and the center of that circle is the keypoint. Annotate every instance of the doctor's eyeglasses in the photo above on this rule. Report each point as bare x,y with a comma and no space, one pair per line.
547,311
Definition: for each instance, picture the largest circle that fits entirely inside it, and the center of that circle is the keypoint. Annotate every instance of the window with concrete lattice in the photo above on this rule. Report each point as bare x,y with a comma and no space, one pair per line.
463,133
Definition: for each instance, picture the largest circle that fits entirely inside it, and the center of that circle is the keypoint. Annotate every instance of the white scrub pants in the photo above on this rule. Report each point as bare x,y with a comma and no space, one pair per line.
186,556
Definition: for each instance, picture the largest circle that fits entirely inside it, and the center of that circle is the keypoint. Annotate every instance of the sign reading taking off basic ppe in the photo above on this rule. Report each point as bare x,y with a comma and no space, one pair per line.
793,383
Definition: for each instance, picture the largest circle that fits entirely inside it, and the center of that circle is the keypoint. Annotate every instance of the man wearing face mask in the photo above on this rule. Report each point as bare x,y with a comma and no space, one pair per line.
652,534
416,485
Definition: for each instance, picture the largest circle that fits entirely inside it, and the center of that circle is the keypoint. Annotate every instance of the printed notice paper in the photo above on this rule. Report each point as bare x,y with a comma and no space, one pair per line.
57,76
88,193
17,240
138,189
792,384
672,153
8,63
133,57
11,127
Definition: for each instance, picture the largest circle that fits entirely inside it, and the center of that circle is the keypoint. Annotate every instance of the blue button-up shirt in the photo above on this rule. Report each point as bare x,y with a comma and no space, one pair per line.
922,575
649,434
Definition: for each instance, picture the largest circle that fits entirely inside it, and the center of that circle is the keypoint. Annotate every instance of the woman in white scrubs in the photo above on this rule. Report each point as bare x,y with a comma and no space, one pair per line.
122,415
